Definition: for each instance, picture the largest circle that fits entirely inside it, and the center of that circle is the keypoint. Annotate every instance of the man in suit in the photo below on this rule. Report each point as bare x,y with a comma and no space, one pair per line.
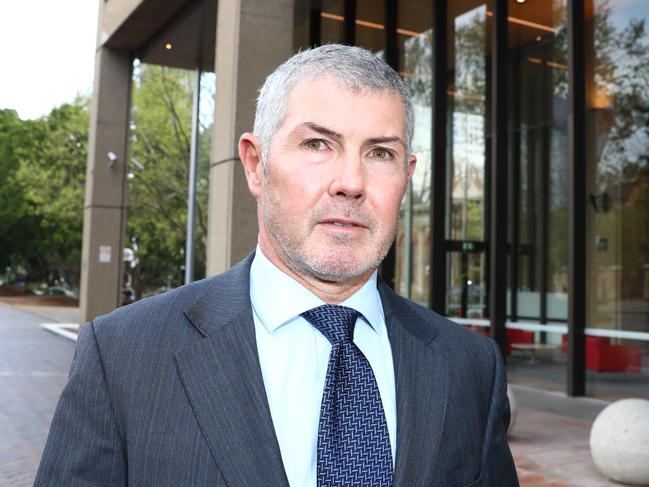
298,366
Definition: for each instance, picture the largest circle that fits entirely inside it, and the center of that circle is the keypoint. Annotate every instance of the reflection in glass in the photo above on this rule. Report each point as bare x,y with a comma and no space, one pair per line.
538,163
467,299
617,46
617,135
301,24
332,21
467,108
414,38
370,25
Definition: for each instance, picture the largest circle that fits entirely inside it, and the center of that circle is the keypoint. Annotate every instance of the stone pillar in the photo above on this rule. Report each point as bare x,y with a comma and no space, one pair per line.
105,205
253,37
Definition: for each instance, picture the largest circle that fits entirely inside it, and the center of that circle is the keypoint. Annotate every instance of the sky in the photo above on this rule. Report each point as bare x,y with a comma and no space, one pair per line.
47,53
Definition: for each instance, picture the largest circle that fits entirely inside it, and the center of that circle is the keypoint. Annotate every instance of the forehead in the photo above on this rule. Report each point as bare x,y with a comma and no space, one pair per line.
327,101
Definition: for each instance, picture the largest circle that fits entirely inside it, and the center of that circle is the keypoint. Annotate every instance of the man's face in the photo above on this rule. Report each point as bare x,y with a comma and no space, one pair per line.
336,172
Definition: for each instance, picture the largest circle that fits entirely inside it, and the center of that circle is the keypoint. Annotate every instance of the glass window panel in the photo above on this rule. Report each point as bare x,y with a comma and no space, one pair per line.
536,358
617,128
467,132
333,21
467,105
467,284
415,48
538,162
370,25
301,24
538,154
455,284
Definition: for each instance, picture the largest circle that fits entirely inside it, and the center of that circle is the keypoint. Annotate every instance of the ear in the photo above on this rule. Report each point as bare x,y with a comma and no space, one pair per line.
250,155
412,162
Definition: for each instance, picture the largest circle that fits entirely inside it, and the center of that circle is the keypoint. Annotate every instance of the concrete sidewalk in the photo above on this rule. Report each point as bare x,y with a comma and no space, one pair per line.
34,365
54,314
549,440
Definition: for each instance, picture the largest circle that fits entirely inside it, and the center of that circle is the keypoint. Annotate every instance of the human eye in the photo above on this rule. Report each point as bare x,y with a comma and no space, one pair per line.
315,145
381,154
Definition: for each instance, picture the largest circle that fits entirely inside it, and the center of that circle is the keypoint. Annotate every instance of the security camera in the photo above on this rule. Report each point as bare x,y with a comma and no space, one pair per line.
112,158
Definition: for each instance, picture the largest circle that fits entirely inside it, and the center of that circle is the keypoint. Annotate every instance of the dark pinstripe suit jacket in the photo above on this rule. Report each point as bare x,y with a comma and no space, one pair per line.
168,392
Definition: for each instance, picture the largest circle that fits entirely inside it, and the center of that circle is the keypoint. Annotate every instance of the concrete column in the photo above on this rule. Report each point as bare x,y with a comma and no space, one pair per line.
253,37
104,210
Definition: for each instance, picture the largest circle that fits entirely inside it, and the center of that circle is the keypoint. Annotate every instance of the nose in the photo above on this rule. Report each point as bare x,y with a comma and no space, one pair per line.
349,178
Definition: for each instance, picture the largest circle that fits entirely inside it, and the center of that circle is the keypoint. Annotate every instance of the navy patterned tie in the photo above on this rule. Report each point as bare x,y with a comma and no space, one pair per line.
353,441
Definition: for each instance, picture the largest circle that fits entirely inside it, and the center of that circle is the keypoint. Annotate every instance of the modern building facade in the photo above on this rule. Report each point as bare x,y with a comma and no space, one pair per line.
528,216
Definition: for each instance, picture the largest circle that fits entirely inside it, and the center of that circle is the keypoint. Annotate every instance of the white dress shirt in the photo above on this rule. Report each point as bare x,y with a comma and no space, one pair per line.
294,357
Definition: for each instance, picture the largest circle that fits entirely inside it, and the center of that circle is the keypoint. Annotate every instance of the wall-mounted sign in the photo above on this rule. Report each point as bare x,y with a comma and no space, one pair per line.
104,254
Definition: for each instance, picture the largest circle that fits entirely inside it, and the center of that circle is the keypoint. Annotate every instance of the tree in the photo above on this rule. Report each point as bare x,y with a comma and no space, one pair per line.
157,193
50,179
42,182
17,234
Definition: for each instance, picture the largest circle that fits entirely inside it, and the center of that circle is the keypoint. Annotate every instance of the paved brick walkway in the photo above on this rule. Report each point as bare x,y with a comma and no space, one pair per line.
552,451
33,369
550,439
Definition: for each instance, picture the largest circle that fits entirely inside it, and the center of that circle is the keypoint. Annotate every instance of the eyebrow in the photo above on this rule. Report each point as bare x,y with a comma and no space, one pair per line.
385,140
323,130
335,135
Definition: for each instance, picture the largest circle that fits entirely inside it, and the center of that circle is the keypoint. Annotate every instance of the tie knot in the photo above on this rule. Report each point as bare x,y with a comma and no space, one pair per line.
335,322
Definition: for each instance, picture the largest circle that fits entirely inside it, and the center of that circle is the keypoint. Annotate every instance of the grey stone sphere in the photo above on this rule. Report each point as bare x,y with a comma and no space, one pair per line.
619,441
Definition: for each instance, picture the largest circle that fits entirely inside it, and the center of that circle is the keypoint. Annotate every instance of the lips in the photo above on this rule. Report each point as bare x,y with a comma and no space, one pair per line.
342,223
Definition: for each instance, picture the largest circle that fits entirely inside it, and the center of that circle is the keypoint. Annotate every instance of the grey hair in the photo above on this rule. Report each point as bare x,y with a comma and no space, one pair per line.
355,68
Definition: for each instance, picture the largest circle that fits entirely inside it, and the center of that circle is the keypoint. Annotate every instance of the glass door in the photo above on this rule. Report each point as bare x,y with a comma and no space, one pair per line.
467,161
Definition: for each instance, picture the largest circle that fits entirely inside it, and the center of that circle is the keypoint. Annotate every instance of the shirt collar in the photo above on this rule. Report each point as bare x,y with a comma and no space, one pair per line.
277,299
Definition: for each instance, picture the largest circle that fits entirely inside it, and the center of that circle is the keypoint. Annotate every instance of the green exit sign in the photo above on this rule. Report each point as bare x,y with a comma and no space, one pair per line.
468,246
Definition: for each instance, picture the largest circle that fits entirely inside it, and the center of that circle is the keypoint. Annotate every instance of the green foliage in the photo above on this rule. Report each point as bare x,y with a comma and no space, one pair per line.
418,61
157,194
621,70
13,227
42,184
42,164
470,63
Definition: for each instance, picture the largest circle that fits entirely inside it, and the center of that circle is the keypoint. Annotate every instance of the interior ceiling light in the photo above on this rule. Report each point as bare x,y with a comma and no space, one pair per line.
412,33
520,1
552,64
526,23
169,46
368,24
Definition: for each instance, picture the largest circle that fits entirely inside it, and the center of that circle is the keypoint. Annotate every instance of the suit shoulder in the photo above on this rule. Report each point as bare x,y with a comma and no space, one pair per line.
429,325
152,310
153,314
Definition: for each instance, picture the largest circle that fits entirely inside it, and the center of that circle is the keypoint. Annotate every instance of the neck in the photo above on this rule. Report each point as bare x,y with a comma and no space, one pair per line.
331,292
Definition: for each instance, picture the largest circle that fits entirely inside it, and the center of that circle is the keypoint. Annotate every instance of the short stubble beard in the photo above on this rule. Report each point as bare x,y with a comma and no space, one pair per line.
339,267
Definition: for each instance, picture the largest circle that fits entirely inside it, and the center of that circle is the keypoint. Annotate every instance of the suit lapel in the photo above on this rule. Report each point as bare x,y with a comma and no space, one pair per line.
422,379
223,380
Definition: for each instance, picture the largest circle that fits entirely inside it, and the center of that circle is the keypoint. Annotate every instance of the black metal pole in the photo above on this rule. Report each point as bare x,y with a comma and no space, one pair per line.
544,228
515,190
350,22
388,267
191,185
576,380
315,23
498,196
437,270
390,33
